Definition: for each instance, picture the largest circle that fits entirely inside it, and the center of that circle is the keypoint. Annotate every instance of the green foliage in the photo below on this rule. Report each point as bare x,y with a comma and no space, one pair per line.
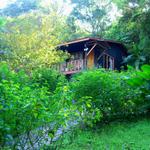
2,22
35,101
92,15
25,106
81,110
37,105
142,80
30,41
98,95
46,77
40,103
133,30
19,7
142,77
110,92
22,109
129,135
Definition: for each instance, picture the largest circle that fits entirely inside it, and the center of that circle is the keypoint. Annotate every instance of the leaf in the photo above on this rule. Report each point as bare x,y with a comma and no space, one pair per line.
135,81
146,68
1,107
65,114
35,114
51,135
88,105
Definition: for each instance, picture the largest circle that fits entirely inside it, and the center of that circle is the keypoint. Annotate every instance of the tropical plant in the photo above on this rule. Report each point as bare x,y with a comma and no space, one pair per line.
142,81
31,46
132,28
30,114
92,15
110,93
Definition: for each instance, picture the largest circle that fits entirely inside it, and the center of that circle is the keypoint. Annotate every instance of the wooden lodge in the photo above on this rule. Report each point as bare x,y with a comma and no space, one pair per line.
87,53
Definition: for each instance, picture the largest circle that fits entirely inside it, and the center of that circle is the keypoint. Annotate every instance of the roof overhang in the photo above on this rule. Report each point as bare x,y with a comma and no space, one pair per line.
94,40
88,39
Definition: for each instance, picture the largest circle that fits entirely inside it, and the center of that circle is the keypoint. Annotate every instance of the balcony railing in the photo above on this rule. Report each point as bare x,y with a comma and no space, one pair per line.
70,67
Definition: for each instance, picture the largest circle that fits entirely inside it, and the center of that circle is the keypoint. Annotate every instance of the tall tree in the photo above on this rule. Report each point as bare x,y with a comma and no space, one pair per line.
19,7
123,4
30,41
91,14
133,30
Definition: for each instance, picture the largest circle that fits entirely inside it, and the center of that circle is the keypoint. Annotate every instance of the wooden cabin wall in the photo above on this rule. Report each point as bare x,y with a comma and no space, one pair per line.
90,60
116,51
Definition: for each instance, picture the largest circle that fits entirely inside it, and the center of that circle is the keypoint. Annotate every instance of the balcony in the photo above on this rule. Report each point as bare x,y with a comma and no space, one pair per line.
71,67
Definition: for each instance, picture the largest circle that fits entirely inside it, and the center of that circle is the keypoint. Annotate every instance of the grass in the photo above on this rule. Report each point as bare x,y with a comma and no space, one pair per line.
114,136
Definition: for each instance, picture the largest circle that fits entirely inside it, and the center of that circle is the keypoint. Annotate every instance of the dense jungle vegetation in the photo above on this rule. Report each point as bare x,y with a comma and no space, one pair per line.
41,109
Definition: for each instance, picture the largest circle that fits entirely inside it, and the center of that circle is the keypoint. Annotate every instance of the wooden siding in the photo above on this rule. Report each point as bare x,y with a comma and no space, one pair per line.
90,60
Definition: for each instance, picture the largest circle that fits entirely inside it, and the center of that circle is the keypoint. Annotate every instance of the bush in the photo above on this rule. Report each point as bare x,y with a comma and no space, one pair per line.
142,81
47,77
33,107
110,92
29,113
22,109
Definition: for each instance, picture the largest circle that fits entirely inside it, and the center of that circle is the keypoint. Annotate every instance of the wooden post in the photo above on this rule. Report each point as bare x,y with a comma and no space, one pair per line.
113,64
107,59
104,61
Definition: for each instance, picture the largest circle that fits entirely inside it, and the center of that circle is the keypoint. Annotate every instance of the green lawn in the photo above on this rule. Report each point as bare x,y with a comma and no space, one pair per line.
115,136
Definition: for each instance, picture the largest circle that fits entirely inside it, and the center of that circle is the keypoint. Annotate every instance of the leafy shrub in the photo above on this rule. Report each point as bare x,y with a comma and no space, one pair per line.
28,111
110,92
142,81
21,109
33,107
47,77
